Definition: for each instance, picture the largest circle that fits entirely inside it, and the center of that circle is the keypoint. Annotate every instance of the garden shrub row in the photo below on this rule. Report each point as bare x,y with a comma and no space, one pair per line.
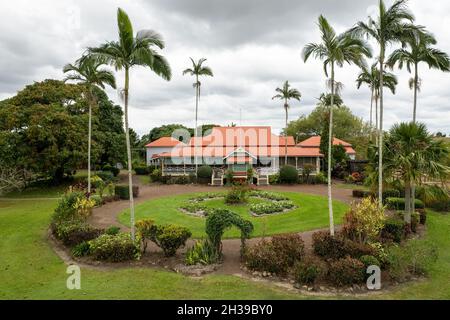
123,191
337,247
399,203
114,248
271,207
74,232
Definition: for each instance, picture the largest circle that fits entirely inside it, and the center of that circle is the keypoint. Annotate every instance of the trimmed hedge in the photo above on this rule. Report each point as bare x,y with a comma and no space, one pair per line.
362,194
204,172
114,248
142,170
123,191
74,232
288,175
399,203
394,230
169,237
106,176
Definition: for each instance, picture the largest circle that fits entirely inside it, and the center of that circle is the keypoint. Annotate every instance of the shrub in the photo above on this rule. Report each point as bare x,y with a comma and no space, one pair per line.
362,194
423,217
289,175
364,221
83,207
144,231
115,171
96,181
237,195
415,257
274,178
336,247
156,175
370,261
123,191
320,178
169,237
81,250
276,255
202,252
114,248
399,203
309,270
98,201
415,219
195,208
73,232
440,205
392,193
66,207
106,176
346,271
205,173
178,180
142,170
393,230
112,231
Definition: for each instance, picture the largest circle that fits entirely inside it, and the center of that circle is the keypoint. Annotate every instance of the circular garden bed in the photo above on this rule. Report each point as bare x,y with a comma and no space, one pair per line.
290,212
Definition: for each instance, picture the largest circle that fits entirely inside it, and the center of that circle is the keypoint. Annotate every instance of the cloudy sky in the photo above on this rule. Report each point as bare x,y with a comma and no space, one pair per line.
252,47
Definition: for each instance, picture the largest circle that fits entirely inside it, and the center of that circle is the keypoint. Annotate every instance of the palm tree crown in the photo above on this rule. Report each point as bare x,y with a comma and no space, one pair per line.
86,71
287,93
198,70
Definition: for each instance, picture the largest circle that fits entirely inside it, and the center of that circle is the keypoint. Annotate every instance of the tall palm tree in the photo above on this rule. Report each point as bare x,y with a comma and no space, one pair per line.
286,93
391,26
197,70
335,50
372,79
420,50
86,71
130,51
412,152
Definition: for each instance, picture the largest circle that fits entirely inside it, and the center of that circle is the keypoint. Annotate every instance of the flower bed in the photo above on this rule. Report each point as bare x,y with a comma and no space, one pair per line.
271,207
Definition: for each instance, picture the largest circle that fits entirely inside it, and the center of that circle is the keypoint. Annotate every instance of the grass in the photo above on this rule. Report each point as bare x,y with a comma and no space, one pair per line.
312,213
29,269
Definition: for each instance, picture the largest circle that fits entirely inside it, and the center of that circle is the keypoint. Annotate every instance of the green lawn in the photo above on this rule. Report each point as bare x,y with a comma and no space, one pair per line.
29,269
312,213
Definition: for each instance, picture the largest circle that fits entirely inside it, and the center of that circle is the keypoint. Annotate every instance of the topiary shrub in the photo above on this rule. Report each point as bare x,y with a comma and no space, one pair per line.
346,271
399,204
218,220
393,230
169,237
74,232
114,248
204,174
288,175
123,191
309,270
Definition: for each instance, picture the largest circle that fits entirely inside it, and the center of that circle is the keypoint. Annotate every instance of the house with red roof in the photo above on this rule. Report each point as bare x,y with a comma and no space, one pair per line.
238,149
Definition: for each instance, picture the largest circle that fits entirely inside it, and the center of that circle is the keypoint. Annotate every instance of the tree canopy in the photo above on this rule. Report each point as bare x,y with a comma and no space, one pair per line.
43,129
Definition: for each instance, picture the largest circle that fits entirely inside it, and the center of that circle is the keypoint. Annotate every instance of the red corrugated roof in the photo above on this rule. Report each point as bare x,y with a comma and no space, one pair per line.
315,142
164,142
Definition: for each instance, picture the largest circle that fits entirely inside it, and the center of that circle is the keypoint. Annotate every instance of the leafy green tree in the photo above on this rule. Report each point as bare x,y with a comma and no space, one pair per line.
131,51
197,70
87,72
411,153
392,26
335,50
285,94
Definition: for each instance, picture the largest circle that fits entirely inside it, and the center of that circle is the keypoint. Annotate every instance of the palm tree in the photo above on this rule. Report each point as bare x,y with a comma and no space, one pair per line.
335,50
86,71
197,70
390,27
420,50
372,79
286,93
411,152
128,52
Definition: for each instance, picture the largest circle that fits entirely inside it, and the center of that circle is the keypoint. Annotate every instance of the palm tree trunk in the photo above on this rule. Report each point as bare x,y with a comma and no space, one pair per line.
286,135
371,109
330,144
380,133
130,174
196,125
89,141
408,203
377,118
416,83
